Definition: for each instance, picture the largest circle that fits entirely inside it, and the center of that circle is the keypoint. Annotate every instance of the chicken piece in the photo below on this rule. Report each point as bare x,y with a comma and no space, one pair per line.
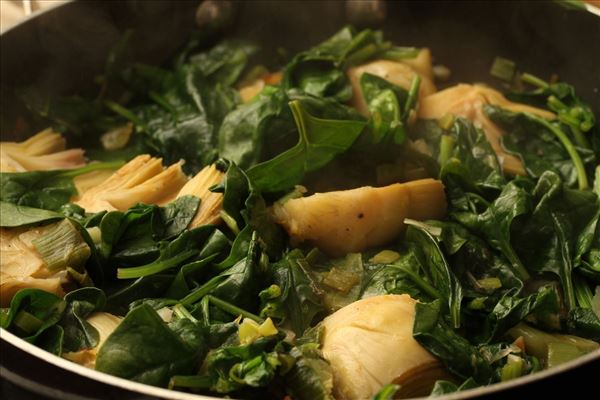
350,221
105,324
43,151
467,101
141,180
21,266
400,73
369,344
210,203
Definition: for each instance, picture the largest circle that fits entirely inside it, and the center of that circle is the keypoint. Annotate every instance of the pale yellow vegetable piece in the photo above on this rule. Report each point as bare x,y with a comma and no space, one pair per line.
354,220
21,266
252,89
141,180
43,151
105,324
210,203
250,330
400,73
467,101
369,344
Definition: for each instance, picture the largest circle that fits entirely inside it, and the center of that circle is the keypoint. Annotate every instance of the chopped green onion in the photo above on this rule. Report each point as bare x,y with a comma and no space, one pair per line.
27,322
230,222
533,80
489,284
503,68
446,121
512,369
190,381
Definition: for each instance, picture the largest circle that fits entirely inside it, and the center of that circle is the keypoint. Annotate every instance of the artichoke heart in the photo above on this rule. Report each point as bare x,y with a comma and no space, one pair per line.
351,221
369,344
467,101
141,180
400,73
210,202
41,152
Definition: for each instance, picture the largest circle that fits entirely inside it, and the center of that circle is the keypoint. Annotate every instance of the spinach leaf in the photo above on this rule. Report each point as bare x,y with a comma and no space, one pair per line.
561,98
428,251
401,277
320,70
257,130
541,145
481,167
13,215
584,322
320,141
386,105
31,312
47,190
232,367
177,215
511,309
224,62
494,224
78,333
558,223
457,354
172,254
263,128
239,284
300,296
130,351
310,378
485,275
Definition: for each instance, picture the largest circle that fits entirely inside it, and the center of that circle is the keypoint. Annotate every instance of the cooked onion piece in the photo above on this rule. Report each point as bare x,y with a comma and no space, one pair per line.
369,344
467,101
350,221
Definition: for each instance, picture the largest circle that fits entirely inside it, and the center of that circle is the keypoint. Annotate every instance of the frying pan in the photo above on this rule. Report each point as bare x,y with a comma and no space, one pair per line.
61,50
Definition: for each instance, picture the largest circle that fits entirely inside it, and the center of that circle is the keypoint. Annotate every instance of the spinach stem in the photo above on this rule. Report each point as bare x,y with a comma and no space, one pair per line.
516,263
571,150
534,80
155,267
183,313
447,143
422,283
412,95
232,309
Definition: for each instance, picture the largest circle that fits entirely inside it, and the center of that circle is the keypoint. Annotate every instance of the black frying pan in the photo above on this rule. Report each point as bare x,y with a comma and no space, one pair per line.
61,50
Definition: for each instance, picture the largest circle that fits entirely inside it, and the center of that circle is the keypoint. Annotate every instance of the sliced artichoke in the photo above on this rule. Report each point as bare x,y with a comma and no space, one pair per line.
210,203
369,344
141,180
43,151
351,221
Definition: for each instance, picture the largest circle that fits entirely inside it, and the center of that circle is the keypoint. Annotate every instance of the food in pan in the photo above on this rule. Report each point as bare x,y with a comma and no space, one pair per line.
344,225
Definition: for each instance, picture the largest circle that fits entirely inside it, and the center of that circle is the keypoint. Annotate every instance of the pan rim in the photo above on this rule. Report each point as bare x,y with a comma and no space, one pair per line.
177,395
